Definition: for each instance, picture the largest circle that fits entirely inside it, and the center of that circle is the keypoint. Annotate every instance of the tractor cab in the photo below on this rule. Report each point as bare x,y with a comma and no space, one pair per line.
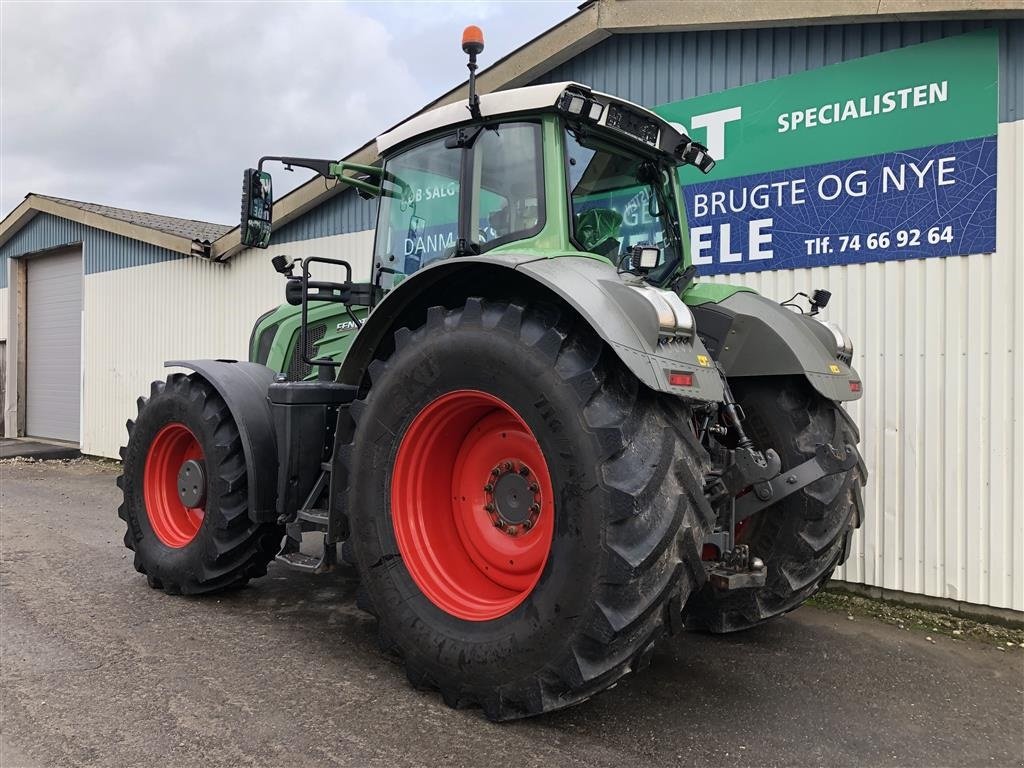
544,171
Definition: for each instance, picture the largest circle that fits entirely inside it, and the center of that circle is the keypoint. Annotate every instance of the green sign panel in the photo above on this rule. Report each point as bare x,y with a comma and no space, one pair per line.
923,95
898,147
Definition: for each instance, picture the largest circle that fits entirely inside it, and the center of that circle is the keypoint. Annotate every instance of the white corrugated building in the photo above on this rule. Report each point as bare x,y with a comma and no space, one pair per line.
96,298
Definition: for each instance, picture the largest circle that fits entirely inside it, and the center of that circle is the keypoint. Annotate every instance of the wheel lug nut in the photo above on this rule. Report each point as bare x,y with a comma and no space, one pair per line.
535,507
489,507
495,471
497,524
488,488
527,525
511,530
534,487
524,470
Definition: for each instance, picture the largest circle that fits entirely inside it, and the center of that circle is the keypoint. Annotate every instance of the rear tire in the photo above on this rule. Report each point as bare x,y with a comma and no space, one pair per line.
184,550
626,515
804,537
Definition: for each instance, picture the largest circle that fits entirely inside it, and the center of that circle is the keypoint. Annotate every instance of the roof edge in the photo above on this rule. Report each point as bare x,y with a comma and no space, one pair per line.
35,203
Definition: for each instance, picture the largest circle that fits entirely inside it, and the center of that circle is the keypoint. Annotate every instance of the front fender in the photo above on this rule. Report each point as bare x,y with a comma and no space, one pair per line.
620,316
750,335
244,388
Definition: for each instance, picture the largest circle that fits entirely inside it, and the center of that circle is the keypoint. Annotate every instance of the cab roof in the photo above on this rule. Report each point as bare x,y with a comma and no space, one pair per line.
531,99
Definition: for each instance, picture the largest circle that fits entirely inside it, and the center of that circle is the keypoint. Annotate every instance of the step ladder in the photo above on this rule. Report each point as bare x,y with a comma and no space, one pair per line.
309,518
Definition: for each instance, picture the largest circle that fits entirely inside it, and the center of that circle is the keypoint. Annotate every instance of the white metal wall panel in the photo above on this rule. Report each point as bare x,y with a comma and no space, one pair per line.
137,318
53,358
4,292
938,345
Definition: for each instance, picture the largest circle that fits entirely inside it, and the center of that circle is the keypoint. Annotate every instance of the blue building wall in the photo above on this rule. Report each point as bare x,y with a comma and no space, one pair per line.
660,67
102,251
345,212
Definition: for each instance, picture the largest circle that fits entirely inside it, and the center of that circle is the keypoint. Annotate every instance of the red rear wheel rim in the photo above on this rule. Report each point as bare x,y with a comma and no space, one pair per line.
472,505
172,522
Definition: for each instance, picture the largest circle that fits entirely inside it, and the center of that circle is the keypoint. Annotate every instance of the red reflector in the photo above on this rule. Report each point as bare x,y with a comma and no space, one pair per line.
855,386
680,379
709,552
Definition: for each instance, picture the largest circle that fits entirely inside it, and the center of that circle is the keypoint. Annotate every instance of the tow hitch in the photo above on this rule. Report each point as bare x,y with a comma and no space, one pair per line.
758,474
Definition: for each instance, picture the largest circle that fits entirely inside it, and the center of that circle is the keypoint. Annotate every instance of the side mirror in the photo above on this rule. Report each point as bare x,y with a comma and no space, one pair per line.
257,208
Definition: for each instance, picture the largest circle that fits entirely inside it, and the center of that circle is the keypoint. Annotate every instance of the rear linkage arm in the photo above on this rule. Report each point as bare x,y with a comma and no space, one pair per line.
748,468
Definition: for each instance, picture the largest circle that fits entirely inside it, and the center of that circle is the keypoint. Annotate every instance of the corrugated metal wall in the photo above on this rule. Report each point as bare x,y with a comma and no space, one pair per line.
656,68
135,319
102,250
938,346
345,212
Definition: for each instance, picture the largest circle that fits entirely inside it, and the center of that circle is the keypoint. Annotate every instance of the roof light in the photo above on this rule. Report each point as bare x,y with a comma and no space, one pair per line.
472,40
576,105
595,111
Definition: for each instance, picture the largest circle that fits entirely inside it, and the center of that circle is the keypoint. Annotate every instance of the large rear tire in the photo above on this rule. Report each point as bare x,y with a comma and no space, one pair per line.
804,537
526,517
185,435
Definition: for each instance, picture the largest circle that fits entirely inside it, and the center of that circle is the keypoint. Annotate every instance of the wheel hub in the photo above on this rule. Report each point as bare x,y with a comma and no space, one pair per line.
192,484
472,505
174,485
512,497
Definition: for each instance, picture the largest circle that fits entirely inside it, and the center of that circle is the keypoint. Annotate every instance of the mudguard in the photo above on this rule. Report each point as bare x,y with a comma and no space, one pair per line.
750,335
621,316
244,386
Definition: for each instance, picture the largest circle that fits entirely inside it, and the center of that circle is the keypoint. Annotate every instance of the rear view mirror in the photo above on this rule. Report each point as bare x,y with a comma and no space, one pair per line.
257,208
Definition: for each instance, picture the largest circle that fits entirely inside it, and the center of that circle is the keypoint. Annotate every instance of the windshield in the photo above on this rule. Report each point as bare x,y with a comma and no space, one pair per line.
618,202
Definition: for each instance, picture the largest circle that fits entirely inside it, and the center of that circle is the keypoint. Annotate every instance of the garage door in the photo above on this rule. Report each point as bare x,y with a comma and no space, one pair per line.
53,331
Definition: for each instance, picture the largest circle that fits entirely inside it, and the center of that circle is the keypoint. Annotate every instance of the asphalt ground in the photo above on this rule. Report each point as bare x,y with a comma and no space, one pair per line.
98,669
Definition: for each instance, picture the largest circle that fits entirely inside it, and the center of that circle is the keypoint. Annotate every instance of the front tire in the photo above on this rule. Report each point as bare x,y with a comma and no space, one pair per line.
611,470
805,537
199,538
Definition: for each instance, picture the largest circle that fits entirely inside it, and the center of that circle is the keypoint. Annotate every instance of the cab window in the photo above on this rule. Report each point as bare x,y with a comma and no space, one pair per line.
508,184
614,204
418,218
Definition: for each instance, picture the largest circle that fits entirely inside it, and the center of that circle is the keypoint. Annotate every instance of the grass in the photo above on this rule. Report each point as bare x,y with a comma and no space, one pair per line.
925,621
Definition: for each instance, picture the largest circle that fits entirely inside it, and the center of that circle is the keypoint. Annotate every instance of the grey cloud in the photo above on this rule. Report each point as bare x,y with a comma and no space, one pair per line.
159,106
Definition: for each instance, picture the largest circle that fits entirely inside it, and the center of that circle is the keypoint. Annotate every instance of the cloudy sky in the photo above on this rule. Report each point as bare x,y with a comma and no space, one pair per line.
160,106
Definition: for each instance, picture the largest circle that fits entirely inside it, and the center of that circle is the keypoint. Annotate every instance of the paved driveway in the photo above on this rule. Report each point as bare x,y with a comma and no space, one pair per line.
97,669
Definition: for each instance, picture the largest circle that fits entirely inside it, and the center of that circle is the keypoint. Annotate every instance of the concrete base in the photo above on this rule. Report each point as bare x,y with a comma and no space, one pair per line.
993,615
34,448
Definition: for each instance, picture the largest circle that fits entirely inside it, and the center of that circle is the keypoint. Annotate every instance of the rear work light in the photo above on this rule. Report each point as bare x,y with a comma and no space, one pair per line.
854,386
580,105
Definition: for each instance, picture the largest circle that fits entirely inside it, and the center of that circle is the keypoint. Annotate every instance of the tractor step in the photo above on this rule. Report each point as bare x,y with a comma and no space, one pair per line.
293,558
317,517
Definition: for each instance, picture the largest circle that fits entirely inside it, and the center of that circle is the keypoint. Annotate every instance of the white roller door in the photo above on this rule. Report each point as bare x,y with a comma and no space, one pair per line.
54,346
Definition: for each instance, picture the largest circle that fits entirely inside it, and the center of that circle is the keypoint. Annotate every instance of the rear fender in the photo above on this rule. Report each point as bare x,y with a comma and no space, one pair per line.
621,316
244,387
750,335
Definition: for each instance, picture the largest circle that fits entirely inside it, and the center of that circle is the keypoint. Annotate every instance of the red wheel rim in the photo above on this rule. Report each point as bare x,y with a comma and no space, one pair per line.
472,505
172,522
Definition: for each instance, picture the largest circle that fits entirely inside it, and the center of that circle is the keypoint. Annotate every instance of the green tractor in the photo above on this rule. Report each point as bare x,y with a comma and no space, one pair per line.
540,443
